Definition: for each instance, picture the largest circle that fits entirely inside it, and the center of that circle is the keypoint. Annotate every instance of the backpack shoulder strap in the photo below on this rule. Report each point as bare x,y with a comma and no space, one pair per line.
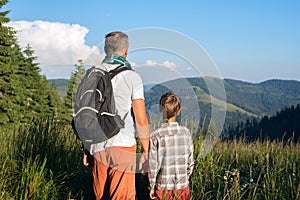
117,70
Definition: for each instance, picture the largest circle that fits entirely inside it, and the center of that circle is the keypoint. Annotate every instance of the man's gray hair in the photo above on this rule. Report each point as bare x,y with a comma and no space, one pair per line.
115,42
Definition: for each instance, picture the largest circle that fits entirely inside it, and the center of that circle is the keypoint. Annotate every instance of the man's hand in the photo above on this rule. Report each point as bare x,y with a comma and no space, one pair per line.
144,164
86,159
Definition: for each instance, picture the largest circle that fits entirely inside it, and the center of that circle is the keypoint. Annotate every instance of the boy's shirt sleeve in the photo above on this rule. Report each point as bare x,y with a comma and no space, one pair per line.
153,162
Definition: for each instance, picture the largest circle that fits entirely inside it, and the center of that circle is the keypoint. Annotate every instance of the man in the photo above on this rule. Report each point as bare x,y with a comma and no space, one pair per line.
115,159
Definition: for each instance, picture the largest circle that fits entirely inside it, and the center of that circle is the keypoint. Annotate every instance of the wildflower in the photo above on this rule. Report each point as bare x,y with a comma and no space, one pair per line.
233,173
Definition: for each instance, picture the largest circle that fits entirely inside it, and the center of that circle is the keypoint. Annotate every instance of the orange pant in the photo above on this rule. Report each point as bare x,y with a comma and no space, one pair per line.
114,173
181,194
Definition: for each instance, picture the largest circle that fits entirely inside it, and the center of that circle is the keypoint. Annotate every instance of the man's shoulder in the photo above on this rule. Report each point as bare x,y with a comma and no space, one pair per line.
103,66
130,73
133,73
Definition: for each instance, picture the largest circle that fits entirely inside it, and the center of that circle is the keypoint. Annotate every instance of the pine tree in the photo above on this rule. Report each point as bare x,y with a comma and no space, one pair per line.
56,105
24,93
11,89
37,87
75,79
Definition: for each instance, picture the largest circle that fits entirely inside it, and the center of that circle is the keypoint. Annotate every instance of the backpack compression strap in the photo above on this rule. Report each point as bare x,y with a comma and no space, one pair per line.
118,70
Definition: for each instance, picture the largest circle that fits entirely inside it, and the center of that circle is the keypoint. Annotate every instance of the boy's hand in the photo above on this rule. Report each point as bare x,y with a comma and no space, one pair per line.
152,194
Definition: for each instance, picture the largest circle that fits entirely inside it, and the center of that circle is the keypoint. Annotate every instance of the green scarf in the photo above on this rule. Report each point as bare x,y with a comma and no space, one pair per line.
116,59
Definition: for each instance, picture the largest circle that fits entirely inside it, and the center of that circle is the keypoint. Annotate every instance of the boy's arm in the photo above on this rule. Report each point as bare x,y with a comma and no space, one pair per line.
142,126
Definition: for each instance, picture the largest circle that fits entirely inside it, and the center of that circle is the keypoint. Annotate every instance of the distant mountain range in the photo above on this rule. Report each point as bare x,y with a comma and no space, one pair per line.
265,98
61,85
244,100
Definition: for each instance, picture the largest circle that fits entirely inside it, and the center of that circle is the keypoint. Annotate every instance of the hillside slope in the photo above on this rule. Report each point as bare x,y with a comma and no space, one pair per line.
243,100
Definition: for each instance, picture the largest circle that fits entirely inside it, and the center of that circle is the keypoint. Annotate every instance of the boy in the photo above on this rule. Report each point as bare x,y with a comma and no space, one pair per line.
171,154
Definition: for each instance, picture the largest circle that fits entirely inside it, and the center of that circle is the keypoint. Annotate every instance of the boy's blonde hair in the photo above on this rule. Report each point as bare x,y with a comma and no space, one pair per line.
169,105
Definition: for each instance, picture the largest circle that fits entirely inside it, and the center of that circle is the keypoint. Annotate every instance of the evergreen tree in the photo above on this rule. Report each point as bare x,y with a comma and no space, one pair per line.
75,79
56,105
37,87
23,91
283,126
11,89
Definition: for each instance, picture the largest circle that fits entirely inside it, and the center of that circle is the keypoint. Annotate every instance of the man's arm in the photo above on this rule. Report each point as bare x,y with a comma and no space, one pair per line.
142,126
141,121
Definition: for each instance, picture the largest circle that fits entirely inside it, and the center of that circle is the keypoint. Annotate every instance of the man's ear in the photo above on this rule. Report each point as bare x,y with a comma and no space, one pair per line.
125,52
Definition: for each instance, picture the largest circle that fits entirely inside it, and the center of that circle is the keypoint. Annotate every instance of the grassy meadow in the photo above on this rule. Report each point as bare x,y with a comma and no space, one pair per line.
43,161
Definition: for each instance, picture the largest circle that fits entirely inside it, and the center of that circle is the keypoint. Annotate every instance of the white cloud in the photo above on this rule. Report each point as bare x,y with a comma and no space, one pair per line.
169,64
56,43
150,63
154,72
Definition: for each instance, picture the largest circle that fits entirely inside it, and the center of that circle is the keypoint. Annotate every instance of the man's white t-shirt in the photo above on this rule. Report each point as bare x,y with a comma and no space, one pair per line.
127,86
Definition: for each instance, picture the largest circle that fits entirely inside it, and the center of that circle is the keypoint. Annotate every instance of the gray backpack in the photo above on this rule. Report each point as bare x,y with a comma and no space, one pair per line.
95,118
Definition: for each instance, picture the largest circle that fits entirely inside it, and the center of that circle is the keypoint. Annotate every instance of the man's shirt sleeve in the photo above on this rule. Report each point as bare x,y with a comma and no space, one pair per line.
137,87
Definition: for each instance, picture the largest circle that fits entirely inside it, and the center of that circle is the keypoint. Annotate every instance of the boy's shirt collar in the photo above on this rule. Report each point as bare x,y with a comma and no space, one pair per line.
169,124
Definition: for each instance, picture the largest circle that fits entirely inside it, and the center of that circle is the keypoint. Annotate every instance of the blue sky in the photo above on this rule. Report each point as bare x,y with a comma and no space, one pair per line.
246,40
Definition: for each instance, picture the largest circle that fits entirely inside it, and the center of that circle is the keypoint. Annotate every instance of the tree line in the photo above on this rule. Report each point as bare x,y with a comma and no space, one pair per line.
25,94
283,126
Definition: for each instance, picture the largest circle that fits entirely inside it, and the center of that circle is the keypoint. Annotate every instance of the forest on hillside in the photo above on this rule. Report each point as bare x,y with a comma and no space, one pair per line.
283,126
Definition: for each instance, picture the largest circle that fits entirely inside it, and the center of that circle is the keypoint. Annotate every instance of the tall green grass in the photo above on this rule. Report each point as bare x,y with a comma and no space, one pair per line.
240,170
43,161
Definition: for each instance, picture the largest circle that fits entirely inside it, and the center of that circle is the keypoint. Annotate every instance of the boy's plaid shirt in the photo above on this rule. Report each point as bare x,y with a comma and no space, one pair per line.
171,157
